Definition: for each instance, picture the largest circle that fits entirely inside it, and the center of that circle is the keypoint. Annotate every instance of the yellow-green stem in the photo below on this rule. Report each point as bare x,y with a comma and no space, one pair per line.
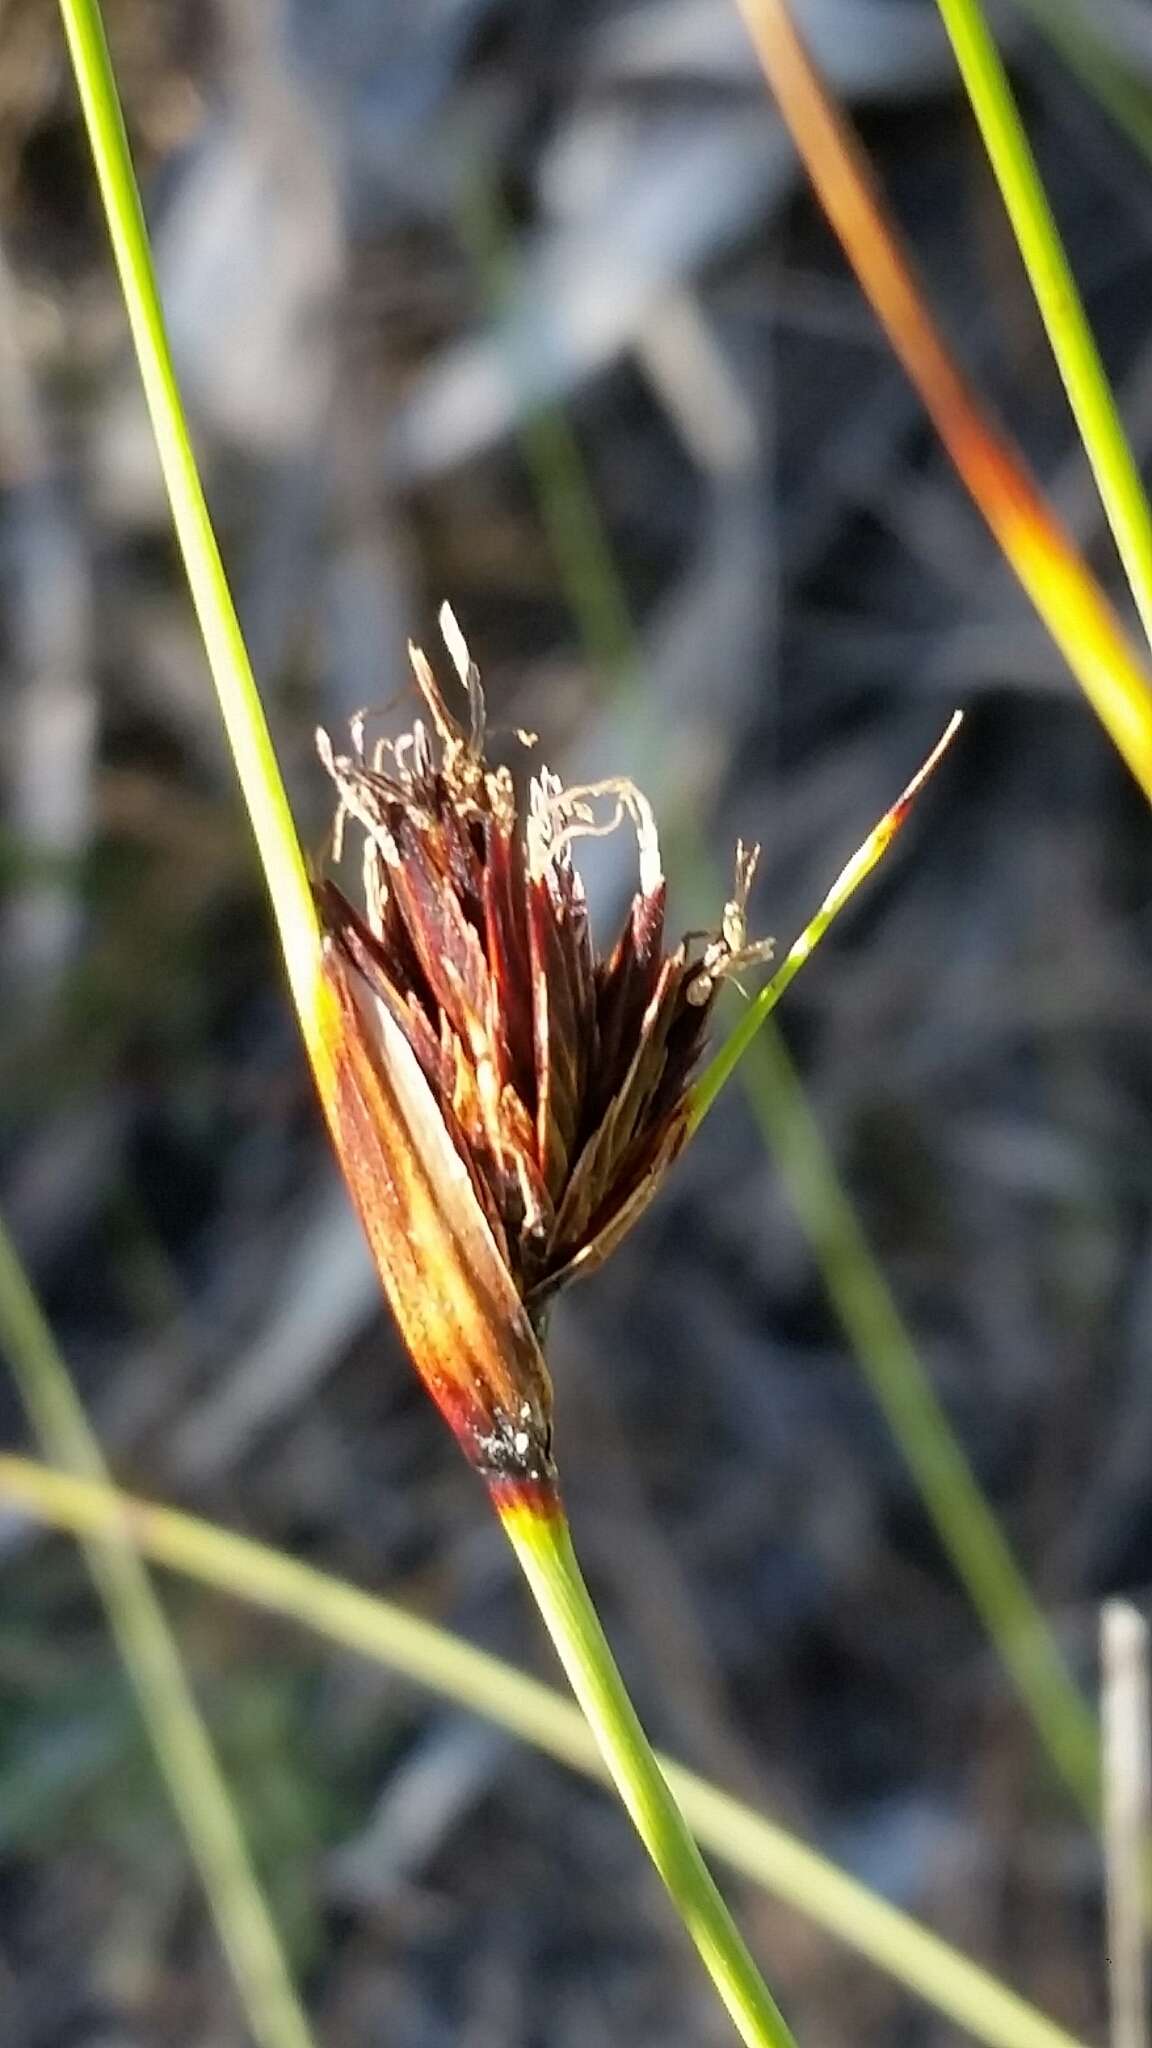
723,1064
1071,338
539,1536
240,704
1045,559
968,1529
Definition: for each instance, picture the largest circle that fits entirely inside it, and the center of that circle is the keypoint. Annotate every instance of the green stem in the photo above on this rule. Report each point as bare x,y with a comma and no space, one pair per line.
968,1529
1054,286
240,704
541,1540
152,1661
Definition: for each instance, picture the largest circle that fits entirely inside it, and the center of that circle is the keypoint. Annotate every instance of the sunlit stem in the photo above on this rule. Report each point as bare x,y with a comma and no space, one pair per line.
540,1538
1071,338
1044,557
723,1064
240,704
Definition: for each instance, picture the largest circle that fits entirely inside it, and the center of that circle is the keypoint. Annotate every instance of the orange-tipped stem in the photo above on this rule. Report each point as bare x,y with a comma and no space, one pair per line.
721,1066
1041,552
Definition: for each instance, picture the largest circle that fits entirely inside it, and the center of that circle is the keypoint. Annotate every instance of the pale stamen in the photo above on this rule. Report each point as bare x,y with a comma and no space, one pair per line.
561,816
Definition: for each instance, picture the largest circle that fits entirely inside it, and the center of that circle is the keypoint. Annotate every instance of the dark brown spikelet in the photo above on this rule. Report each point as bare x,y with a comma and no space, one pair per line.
557,1078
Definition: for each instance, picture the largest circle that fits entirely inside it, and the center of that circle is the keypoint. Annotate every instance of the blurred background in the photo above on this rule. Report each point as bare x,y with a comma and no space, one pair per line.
527,306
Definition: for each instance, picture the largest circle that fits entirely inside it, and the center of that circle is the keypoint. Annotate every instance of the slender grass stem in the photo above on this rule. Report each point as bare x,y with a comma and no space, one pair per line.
240,704
1045,559
724,1064
543,1545
969,1530
1073,346
1127,1725
150,1657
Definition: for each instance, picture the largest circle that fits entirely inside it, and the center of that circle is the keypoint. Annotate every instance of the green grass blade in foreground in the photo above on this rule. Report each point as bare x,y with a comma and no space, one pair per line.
1054,286
240,703
965,1523
724,1062
152,1661
544,1547
429,1656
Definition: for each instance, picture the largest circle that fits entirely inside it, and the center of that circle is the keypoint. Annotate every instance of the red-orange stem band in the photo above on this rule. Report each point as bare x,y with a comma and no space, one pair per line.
532,1499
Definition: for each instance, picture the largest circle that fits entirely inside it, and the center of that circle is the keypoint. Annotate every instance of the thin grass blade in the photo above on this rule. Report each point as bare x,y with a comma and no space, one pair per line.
1071,339
1044,557
240,705
151,1660
969,1530
724,1063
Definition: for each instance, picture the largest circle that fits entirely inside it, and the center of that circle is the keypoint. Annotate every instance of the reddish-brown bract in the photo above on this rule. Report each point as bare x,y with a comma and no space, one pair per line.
504,1100
450,1292
532,1500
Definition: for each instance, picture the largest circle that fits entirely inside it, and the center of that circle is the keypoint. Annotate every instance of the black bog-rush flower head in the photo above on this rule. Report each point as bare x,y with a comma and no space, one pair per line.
557,1075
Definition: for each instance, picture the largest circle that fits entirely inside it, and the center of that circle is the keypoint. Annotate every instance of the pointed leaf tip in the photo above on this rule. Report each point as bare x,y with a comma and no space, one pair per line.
907,797
867,855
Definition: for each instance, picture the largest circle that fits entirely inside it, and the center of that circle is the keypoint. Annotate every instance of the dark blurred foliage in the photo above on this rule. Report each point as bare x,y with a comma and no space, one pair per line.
389,235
